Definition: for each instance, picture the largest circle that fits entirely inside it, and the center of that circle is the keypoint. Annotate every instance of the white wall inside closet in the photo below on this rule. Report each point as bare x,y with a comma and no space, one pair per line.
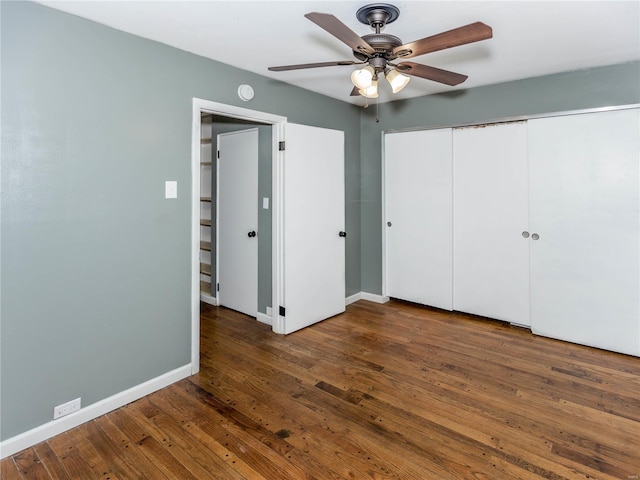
490,214
418,217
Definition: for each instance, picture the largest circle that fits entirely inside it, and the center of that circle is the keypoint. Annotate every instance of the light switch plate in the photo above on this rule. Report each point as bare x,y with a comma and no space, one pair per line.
170,189
265,203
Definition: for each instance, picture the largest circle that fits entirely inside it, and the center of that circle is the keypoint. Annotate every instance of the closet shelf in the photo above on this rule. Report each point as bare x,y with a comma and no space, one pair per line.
206,164
205,199
205,269
205,287
205,245
205,141
205,222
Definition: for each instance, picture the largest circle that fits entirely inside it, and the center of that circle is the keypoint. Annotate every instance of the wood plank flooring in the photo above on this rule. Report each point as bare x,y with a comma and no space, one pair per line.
393,391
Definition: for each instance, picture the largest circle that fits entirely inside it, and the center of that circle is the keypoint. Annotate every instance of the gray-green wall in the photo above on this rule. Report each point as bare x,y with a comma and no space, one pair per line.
592,88
95,262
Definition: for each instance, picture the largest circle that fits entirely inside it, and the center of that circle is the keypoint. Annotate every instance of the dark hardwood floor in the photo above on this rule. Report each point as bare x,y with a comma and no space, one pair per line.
393,391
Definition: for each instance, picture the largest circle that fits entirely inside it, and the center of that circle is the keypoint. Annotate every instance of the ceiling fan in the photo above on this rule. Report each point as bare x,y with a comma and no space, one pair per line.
379,51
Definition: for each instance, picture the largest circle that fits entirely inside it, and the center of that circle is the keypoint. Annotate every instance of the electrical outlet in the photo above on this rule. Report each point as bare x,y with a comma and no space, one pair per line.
66,408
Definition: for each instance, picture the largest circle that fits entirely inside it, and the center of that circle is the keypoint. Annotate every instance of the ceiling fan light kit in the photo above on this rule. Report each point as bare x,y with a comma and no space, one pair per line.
363,78
379,50
371,91
397,80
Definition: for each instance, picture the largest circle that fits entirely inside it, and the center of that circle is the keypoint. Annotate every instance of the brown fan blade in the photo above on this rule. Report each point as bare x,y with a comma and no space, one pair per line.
339,30
431,73
473,32
355,92
311,65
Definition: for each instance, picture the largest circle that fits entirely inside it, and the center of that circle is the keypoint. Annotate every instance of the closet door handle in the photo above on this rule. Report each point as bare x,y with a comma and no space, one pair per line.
389,224
251,234
535,236
525,234
342,234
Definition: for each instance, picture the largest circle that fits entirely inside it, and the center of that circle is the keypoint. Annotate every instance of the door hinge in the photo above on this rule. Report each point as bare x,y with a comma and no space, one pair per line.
281,311
217,287
218,153
281,146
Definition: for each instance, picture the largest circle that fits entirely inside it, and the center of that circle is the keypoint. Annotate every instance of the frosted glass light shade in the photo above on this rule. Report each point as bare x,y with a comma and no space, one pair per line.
370,92
397,80
363,78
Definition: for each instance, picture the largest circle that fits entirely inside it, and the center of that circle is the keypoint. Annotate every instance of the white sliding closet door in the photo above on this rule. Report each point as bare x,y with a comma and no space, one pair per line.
418,189
585,207
490,212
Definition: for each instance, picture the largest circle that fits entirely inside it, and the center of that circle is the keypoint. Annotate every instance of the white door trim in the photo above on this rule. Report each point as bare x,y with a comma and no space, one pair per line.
278,123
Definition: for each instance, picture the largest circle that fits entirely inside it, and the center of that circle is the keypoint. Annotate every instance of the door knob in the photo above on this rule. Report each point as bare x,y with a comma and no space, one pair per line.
251,234
388,224
535,236
525,234
342,234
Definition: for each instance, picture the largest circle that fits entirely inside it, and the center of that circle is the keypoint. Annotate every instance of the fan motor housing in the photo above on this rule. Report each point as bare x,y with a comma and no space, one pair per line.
382,42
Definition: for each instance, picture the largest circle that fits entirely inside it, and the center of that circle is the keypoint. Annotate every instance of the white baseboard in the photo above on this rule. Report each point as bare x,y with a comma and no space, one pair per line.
366,296
264,318
353,298
43,432
373,297
209,299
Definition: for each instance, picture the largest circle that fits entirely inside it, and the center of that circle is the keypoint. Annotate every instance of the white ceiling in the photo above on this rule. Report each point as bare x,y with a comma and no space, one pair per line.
530,38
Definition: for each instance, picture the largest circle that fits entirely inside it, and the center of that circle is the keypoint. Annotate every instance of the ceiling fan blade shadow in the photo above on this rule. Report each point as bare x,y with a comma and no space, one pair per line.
339,30
312,65
471,33
431,73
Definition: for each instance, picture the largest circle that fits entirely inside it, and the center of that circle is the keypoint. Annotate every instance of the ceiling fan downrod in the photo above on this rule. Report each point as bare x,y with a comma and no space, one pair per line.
377,16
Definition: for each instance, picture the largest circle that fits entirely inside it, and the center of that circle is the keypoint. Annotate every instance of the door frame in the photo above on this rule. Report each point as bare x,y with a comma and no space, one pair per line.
278,124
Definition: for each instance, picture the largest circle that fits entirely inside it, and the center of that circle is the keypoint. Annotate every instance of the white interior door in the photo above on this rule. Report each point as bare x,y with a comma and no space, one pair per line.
585,207
418,196
313,250
238,221
490,214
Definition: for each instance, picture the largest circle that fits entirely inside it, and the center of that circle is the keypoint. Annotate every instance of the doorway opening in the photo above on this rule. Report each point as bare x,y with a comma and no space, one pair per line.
209,120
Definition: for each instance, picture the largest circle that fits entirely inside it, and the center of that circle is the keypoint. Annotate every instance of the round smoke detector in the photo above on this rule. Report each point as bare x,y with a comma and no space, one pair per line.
245,92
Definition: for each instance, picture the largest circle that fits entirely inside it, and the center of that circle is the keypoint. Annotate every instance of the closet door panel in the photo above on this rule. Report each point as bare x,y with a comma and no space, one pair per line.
491,255
585,206
418,230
